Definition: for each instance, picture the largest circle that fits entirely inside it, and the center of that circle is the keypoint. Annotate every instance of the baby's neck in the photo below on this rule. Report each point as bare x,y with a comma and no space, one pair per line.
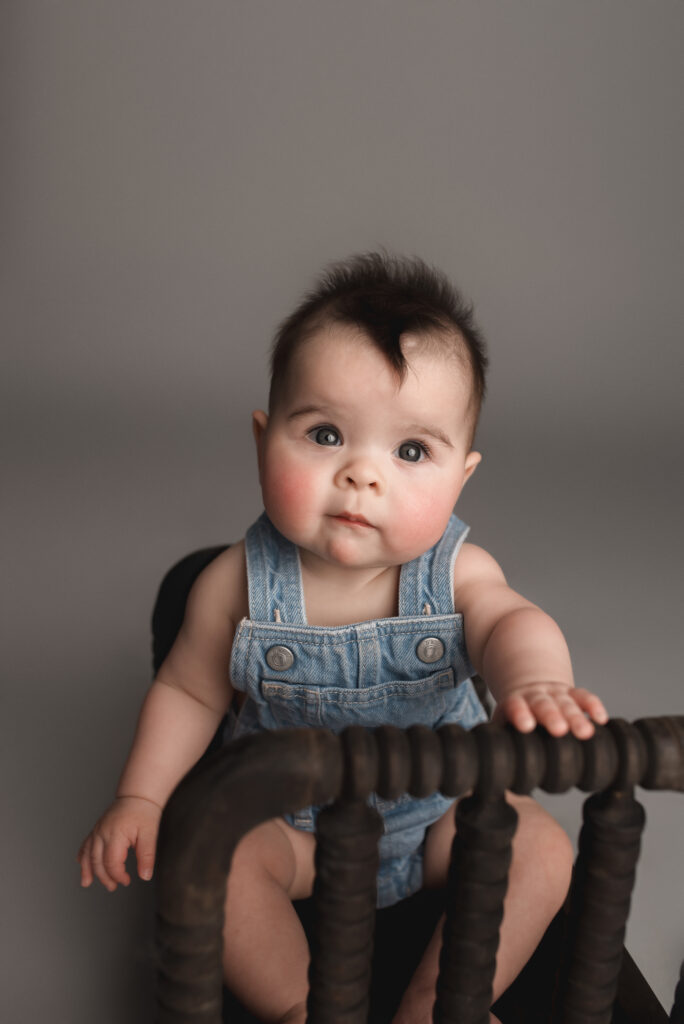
336,595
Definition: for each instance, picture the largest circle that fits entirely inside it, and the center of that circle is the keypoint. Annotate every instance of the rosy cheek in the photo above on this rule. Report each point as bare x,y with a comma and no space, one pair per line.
288,491
420,524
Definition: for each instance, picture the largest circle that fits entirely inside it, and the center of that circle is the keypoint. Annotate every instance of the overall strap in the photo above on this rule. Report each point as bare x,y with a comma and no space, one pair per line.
426,585
274,575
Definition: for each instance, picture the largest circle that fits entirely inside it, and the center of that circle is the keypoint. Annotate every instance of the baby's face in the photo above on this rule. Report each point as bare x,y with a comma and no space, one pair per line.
356,468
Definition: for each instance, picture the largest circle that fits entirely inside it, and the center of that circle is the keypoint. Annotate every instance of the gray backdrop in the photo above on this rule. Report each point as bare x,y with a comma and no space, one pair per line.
174,175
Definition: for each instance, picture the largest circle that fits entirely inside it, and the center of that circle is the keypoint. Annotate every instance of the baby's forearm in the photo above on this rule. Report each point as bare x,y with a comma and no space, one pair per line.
174,730
525,648
526,664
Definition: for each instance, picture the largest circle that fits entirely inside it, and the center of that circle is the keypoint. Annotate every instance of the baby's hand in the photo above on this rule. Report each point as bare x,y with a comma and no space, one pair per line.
130,822
557,707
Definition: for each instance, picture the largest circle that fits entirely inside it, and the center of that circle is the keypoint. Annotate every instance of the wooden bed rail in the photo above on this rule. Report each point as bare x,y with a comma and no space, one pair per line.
264,776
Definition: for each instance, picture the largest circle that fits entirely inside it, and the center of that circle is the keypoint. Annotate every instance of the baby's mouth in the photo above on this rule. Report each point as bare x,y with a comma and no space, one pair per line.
351,519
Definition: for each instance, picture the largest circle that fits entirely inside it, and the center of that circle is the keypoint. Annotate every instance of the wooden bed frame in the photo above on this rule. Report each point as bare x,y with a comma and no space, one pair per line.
362,958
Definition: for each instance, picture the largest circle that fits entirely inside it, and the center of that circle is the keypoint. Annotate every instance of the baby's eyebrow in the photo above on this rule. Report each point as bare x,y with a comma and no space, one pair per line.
431,431
308,410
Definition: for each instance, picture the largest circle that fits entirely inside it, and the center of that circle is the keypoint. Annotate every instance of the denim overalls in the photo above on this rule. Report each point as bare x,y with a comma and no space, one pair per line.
405,670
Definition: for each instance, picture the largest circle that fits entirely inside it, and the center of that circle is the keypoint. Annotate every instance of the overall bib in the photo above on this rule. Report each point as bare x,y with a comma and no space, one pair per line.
406,670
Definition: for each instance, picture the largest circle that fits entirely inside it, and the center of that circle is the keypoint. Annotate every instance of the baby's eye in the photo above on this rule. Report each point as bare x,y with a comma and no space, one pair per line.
325,436
412,451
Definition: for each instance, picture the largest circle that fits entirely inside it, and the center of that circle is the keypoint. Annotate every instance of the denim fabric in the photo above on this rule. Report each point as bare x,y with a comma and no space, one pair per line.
366,673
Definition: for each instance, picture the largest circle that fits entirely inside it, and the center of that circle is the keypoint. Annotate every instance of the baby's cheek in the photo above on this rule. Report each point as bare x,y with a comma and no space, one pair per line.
288,493
421,523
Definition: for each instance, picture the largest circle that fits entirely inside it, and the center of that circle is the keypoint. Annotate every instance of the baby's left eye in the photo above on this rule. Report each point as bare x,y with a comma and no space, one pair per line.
412,451
326,436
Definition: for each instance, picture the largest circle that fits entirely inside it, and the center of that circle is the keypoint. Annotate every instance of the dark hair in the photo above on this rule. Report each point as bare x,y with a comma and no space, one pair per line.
385,296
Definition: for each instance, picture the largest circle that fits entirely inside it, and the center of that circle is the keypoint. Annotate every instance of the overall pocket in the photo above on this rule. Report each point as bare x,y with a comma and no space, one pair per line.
400,702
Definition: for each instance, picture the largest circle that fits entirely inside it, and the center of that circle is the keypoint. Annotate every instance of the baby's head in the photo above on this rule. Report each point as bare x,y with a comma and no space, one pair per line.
377,381
387,299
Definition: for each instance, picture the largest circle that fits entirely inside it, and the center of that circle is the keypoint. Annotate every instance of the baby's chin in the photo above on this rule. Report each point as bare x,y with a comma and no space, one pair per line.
344,557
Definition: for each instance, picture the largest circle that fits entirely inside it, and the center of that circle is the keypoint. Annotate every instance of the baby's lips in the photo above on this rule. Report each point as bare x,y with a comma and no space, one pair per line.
352,517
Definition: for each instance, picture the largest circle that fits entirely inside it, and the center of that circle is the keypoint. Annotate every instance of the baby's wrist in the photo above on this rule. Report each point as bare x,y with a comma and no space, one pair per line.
534,686
136,796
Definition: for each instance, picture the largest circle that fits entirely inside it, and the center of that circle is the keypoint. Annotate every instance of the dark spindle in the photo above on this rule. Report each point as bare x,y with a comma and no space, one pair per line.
604,877
609,847
347,863
476,886
344,892
478,878
218,802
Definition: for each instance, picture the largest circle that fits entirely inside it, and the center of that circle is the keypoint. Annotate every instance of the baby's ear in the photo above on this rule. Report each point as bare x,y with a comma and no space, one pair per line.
473,460
259,424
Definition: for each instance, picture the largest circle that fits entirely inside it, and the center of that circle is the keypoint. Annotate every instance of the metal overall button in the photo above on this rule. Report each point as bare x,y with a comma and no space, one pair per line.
430,649
279,658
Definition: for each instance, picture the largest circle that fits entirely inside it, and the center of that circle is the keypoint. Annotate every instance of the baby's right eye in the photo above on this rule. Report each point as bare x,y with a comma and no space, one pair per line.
325,435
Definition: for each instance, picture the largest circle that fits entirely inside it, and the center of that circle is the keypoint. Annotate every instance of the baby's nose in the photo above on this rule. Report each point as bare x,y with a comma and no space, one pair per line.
360,472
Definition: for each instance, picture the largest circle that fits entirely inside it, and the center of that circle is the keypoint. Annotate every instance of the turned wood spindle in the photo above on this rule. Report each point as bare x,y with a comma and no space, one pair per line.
476,886
609,846
347,862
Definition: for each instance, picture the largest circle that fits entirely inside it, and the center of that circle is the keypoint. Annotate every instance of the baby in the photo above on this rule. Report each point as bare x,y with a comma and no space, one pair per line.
354,599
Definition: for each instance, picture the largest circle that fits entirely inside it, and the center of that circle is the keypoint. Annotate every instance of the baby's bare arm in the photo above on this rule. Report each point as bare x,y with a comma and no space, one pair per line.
520,652
179,716
187,700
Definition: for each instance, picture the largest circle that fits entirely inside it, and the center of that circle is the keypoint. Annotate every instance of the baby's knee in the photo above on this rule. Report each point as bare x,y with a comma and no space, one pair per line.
545,848
261,852
555,857
557,852
274,853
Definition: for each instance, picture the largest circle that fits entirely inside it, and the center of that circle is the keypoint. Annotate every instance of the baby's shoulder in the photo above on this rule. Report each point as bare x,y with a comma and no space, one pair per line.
221,588
474,565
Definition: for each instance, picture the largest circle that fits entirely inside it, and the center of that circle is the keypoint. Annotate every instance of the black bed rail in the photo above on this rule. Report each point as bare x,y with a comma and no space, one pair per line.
264,776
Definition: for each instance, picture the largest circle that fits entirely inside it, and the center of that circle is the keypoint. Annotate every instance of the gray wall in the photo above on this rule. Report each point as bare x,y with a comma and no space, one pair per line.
174,175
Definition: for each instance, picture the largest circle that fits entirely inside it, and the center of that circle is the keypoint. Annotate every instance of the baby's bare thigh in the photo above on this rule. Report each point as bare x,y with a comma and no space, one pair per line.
532,820
284,853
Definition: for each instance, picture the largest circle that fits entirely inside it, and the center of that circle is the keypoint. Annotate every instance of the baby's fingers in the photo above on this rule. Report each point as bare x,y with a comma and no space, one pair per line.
577,722
526,712
556,715
105,861
84,860
575,705
145,852
590,703
91,863
114,860
516,710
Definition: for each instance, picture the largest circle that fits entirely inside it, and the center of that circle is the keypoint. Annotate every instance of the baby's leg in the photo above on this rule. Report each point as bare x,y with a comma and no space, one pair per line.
538,882
266,954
